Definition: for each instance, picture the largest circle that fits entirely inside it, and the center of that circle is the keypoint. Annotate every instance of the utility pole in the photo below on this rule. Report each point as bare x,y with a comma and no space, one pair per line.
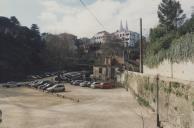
1,116
192,14
157,107
141,48
171,66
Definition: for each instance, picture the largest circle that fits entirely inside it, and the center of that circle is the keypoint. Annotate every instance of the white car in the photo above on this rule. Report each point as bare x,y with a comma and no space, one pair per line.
56,88
93,85
85,84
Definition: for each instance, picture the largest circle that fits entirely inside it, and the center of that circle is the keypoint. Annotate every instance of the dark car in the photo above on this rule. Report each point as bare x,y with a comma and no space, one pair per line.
77,82
10,85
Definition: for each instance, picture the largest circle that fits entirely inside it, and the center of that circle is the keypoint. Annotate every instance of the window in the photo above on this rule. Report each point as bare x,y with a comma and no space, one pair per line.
100,70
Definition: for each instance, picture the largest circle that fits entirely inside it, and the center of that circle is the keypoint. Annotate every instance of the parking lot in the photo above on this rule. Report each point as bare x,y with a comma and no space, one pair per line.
81,108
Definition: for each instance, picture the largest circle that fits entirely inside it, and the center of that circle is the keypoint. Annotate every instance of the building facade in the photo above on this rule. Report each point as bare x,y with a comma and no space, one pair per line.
129,38
108,70
101,37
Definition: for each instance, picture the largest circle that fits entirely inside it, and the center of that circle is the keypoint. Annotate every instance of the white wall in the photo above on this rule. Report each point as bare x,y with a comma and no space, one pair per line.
182,71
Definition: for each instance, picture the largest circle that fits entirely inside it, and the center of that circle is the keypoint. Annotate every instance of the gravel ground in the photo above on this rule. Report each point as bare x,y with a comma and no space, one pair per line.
114,108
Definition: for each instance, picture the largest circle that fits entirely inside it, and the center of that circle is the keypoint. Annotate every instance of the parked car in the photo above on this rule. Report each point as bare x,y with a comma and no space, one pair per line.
104,86
42,85
85,84
94,84
36,84
56,88
48,86
38,76
77,82
33,83
10,85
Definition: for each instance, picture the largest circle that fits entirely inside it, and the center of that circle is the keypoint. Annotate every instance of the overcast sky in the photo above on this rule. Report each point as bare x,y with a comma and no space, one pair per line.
58,16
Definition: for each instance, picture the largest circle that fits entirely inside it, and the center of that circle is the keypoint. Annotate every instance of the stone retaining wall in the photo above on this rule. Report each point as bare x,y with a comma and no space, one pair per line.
176,97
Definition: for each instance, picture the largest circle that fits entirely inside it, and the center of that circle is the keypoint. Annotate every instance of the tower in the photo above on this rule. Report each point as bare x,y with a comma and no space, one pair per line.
127,29
121,26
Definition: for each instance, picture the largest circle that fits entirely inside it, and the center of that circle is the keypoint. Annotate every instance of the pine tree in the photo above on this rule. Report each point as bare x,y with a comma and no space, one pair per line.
35,29
170,14
14,20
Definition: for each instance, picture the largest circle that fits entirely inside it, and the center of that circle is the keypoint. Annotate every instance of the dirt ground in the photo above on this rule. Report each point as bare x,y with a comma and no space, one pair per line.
114,108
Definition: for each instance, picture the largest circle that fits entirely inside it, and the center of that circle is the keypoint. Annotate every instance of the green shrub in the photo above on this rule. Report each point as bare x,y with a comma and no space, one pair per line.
178,93
186,97
175,85
168,90
142,101
170,47
193,103
152,87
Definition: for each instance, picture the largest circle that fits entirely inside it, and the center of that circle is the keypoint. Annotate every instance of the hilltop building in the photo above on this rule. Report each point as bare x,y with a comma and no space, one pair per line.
101,37
128,37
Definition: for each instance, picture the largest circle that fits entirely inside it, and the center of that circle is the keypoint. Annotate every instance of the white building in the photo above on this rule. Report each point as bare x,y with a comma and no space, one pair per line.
101,37
128,37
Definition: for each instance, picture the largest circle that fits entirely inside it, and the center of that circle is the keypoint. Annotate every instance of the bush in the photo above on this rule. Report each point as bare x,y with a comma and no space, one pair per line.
175,46
193,103
178,50
175,85
142,101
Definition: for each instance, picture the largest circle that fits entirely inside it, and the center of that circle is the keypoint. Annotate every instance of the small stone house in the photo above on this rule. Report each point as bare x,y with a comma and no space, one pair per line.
106,71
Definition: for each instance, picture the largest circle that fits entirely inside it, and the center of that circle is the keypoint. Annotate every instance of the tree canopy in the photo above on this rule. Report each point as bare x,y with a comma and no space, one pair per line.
19,52
14,20
170,36
170,14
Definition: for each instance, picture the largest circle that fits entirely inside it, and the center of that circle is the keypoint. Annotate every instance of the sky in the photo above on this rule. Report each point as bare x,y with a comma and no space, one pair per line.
69,16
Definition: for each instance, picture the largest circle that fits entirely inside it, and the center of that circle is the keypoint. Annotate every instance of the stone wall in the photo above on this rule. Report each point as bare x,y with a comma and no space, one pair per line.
176,97
182,71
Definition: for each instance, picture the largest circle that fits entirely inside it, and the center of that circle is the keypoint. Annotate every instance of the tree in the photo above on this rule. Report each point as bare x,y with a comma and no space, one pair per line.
187,27
35,29
14,20
156,33
19,50
170,14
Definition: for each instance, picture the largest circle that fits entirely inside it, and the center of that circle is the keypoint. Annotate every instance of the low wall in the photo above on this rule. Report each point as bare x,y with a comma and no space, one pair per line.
176,97
183,70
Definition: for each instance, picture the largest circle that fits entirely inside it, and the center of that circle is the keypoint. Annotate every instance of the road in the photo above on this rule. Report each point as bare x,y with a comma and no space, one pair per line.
114,108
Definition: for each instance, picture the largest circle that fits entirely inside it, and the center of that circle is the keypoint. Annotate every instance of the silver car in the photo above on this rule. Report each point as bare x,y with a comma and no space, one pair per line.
85,84
56,88
93,85
10,85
